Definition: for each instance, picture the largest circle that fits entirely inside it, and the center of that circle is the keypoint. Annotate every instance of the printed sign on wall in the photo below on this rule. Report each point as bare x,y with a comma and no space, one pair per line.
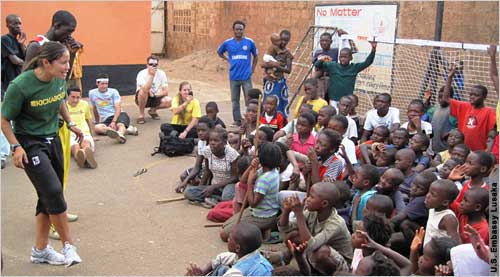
363,22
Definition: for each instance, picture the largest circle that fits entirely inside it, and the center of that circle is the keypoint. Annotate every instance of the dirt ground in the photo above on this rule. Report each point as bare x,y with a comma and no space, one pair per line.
121,230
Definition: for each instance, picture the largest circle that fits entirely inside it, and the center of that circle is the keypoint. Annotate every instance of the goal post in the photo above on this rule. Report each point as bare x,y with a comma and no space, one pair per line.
415,67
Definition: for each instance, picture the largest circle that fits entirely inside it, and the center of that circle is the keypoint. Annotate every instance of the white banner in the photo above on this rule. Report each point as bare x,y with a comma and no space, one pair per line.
364,22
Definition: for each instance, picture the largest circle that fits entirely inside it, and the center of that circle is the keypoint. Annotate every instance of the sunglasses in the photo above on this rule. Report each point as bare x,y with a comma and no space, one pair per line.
153,64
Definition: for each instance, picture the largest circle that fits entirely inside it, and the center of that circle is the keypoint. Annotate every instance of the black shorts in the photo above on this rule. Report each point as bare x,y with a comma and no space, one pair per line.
152,102
122,118
45,169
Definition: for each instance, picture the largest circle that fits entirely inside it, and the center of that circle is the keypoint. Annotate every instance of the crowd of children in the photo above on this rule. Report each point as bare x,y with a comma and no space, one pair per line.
348,194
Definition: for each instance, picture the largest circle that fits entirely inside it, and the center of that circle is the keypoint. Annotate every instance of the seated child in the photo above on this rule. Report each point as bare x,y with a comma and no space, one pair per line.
304,138
385,159
265,134
212,110
383,262
404,162
249,123
252,94
271,116
193,175
275,54
477,167
379,204
436,252
291,127
385,155
325,165
233,139
243,258
377,228
343,206
224,210
263,199
354,115
415,214
310,97
445,171
472,212
324,116
442,221
389,185
453,138
339,123
344,107
380,135
382,115
378,264
329,249
290,175
400,138
415,123
419,144
460,152
441,120
364,180
220,165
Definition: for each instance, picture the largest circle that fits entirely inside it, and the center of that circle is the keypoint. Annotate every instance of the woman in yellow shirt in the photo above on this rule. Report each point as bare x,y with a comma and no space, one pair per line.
186,111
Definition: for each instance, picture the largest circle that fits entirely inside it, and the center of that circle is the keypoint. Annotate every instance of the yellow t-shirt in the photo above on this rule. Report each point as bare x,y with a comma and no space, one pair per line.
317,105
79,114
192,110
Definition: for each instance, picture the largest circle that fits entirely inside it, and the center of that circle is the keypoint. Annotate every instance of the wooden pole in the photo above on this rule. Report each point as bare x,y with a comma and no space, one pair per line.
168,200
256,142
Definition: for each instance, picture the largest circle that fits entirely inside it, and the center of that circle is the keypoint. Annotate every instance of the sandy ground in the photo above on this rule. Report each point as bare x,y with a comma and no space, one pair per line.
121,230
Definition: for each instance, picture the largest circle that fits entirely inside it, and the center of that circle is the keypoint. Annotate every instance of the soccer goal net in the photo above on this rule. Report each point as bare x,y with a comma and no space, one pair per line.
405,68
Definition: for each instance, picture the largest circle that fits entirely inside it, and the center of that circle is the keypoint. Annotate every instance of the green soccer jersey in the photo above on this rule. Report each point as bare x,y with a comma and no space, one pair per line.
343,78
34,105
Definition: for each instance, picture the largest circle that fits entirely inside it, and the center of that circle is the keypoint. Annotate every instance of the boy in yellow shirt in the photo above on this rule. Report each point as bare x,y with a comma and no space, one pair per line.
311,97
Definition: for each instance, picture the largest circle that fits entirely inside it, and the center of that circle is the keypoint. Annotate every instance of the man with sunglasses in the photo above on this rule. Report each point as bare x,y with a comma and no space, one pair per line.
151,90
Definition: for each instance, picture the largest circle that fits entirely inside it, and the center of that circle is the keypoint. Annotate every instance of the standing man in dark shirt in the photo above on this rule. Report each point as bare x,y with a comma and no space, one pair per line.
13,50
63,25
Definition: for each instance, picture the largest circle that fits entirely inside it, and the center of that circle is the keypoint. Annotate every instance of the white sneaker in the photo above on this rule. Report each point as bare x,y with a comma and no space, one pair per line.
70,254
72,217
47,255
132,130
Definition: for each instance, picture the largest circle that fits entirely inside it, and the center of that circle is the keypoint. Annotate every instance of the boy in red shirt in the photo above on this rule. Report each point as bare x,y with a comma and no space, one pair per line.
271,117
477,166
472,210
474,119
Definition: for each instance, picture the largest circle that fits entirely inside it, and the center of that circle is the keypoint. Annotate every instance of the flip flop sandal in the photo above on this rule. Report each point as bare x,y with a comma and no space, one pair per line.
141,120
275,238
154,116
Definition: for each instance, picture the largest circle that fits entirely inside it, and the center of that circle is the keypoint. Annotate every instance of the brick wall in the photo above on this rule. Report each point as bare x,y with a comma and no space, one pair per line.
474,22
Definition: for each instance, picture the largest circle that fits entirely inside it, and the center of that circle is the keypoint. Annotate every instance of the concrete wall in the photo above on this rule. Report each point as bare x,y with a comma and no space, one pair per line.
474,22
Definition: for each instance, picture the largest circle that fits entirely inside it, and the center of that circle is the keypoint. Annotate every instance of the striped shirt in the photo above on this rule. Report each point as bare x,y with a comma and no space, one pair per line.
268,185
334,169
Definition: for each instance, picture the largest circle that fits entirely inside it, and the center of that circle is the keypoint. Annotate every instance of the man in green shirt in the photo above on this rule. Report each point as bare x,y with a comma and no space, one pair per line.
343,73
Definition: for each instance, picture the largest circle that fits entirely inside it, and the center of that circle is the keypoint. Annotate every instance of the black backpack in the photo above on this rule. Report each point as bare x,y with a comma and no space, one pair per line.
174,146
